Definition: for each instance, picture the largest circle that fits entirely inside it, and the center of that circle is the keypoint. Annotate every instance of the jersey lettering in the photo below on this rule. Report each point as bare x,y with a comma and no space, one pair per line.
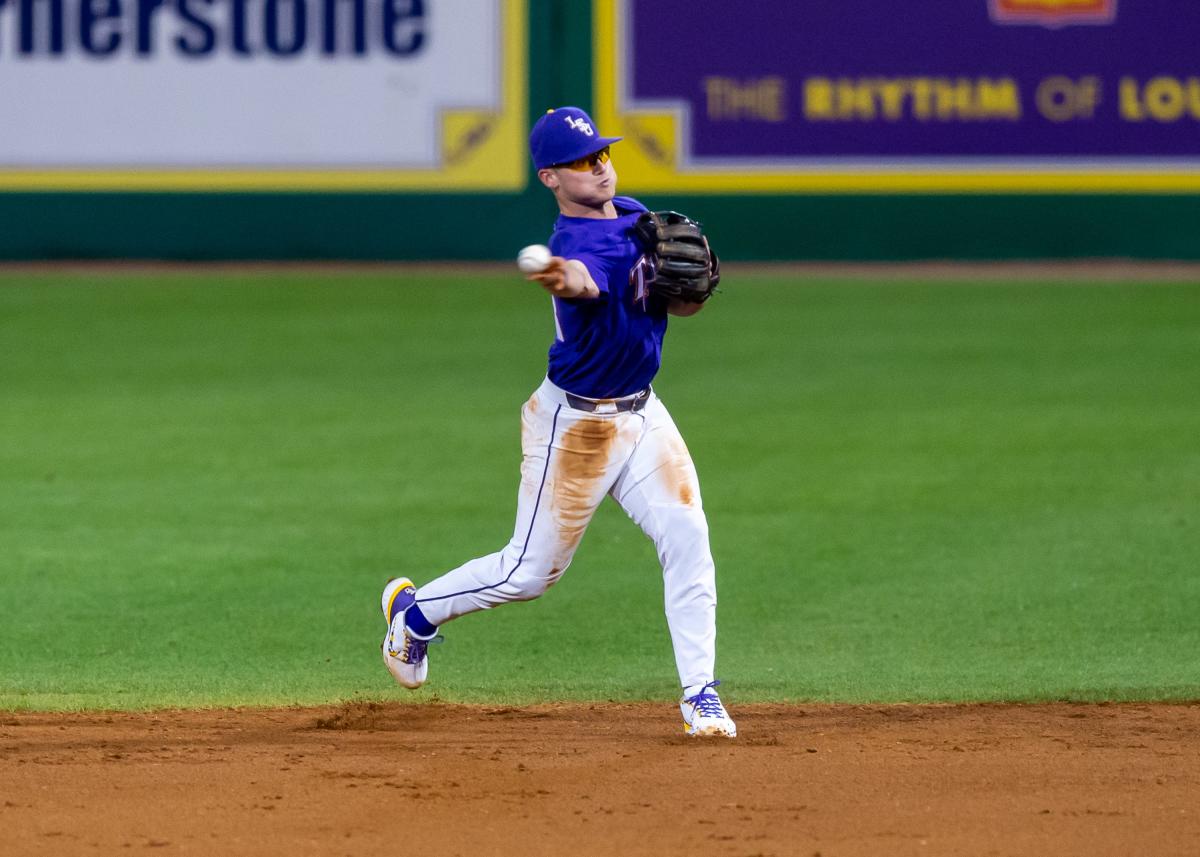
640,277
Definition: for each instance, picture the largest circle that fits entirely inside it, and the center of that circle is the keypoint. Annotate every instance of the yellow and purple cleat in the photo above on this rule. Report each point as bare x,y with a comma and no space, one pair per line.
404,653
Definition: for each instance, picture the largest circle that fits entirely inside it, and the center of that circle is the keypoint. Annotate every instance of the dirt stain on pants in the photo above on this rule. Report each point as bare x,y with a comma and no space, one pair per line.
582,457
677,470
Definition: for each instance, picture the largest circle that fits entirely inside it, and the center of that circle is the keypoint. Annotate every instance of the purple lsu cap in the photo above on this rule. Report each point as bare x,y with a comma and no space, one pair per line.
564,134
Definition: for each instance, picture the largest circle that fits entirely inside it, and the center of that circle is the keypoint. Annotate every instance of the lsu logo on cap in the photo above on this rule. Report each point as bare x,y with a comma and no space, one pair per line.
1053,13
580,125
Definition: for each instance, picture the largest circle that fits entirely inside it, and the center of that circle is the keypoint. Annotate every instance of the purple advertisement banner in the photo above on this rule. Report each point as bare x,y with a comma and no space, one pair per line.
1085,81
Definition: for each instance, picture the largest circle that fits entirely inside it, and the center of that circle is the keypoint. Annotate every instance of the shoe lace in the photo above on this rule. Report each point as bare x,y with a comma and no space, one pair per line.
413,651
707,704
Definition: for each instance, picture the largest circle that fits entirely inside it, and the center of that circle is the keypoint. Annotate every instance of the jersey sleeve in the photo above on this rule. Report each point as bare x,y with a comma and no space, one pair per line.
562,245
597,269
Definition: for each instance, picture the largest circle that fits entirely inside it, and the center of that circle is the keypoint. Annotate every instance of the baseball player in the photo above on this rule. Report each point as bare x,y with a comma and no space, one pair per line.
595,427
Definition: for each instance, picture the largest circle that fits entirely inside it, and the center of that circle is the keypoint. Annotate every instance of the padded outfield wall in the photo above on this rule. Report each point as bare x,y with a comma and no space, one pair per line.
395,129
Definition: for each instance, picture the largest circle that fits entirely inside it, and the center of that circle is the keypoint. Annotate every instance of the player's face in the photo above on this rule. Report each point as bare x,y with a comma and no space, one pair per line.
589,182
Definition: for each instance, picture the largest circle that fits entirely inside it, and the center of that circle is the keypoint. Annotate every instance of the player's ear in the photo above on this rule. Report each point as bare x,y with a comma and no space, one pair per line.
548,177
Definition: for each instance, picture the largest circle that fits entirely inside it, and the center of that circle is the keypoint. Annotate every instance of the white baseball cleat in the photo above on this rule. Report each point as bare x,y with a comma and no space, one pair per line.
403,651
704,715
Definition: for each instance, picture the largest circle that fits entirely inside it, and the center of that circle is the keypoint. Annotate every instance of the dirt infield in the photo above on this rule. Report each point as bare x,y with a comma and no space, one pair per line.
606,779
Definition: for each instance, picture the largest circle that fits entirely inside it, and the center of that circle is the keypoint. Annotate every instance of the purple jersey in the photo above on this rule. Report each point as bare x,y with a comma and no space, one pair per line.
609,346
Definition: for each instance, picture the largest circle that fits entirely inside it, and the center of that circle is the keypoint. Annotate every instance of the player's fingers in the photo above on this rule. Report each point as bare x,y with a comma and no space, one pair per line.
556,270
552,280
554,288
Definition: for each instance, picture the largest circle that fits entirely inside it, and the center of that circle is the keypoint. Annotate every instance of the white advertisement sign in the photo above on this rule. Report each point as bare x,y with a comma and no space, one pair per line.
270,94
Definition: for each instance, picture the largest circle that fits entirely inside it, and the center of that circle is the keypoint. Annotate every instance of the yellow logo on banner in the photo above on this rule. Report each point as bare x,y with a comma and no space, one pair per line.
1053,13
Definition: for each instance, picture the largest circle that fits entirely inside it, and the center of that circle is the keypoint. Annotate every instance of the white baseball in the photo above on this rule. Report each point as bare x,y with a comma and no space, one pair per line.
534,259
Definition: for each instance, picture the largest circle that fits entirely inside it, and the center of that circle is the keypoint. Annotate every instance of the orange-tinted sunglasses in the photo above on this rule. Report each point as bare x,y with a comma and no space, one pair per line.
587,162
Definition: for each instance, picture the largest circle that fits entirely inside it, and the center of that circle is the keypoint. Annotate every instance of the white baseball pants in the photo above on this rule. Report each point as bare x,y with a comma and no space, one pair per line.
572,459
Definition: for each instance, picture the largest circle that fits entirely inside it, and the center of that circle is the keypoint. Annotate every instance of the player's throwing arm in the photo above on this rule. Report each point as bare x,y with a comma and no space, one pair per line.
564,278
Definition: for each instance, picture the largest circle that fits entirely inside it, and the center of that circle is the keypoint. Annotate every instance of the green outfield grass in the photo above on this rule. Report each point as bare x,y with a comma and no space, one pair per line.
917,491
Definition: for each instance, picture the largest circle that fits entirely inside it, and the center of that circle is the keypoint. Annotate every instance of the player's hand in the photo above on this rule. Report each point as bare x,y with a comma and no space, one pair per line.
554,278
566,278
